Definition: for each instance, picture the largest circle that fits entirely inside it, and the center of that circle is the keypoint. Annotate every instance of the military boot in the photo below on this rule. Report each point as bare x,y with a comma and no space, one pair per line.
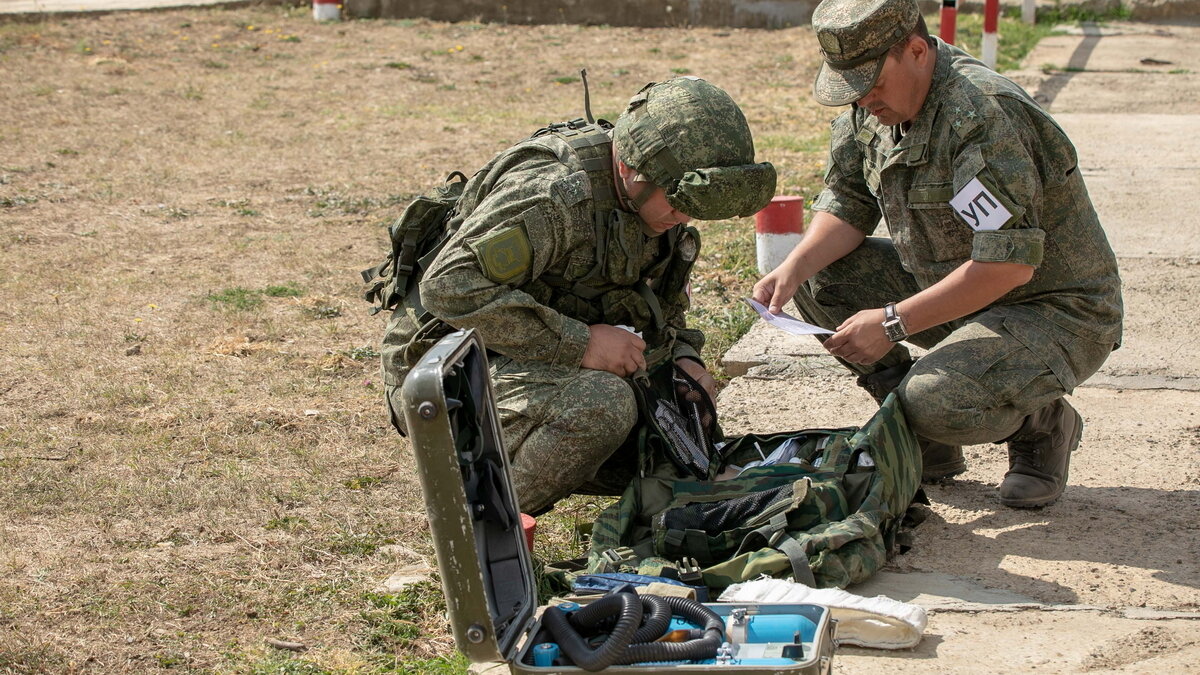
939,461
1038,456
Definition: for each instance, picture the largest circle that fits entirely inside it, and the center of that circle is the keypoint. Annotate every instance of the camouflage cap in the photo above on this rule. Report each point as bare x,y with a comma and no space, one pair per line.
855,36
691,139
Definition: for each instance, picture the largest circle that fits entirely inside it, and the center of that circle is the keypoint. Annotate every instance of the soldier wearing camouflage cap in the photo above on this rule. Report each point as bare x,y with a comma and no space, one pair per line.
571,254
996,261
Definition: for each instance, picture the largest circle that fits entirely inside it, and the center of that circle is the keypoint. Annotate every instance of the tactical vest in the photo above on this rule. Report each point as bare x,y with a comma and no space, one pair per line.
615,291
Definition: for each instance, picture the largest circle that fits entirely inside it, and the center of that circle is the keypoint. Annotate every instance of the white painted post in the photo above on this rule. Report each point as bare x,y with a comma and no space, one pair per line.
327,10
1029,11
777,230
991,23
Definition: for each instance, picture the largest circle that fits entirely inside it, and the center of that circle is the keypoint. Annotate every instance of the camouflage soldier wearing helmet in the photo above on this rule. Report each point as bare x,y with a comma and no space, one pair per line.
996,262
567,247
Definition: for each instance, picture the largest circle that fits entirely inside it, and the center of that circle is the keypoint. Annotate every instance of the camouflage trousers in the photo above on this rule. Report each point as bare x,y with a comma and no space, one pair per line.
564,430
983,373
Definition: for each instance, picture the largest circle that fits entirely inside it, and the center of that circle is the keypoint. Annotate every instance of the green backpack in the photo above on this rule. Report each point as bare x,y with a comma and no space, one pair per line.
827,518
417,236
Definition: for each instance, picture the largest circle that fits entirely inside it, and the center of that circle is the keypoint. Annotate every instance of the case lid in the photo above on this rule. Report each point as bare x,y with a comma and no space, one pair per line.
487,574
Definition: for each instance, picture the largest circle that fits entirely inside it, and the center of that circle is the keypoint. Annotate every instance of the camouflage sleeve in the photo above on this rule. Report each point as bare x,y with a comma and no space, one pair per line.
846,194
515,233
1001,175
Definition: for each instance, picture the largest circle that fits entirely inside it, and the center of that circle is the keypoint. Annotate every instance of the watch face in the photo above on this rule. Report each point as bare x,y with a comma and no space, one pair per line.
893,330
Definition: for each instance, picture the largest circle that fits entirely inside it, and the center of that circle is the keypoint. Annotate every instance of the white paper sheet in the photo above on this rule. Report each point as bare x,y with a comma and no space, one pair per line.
786,322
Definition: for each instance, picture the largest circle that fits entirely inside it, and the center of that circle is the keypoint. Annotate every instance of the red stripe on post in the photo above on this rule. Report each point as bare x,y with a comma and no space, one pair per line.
991,15
949,21
784,215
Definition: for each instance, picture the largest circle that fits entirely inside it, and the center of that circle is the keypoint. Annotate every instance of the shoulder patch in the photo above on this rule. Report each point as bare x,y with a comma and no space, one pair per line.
504,255
572,189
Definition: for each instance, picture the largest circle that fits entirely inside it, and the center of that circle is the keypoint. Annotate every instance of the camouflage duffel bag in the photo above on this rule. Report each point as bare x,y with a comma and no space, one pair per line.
822,506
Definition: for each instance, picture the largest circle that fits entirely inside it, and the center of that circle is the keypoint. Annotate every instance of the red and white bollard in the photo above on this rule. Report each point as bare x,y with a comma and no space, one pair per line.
777,230
327,10
528,525
949,21
991,21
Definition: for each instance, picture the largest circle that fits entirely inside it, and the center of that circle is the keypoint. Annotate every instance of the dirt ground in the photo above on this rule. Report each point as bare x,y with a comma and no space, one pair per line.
193,454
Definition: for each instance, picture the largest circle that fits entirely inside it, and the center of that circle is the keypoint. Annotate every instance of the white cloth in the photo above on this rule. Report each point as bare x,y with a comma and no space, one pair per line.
879,622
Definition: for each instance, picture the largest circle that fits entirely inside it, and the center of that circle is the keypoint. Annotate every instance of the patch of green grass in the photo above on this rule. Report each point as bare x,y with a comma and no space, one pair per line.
34,659
398,65
362,482
237,298
1016,37
455,664
357,545
16,200
288,290
393,622
722,327
791,142
566,79
279,664
215,65
325,312
1059,14
681,71
66,152
286,523
365,353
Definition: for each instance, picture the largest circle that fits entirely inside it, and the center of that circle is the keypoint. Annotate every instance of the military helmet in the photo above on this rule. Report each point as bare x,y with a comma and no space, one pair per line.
690,138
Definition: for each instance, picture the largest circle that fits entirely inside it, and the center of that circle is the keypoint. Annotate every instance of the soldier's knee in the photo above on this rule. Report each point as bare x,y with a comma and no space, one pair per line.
945,408
599,402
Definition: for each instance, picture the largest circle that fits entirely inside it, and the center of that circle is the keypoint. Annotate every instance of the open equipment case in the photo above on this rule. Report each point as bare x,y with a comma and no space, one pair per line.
486,569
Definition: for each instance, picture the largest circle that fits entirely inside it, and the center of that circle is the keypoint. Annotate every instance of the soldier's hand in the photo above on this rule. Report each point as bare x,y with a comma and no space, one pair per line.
700,374
775,289
860,339
615,350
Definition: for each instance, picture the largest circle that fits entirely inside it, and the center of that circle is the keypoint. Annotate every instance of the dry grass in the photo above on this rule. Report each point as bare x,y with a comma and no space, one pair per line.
193,451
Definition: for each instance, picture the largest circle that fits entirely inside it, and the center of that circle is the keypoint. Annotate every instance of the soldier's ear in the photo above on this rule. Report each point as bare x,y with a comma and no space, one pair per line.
919,48
624,170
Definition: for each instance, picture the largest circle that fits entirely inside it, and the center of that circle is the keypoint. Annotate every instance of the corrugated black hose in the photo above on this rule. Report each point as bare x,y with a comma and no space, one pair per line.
626,643
692,650
628,609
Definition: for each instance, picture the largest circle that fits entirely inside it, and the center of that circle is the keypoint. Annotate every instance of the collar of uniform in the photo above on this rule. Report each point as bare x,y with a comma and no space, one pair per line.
911,149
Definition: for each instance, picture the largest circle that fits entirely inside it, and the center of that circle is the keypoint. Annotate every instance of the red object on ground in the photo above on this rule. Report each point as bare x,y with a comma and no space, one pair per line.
949,19
528,524
784,215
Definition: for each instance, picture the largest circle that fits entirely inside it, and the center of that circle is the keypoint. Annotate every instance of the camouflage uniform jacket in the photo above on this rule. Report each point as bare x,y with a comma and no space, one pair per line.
976,124
525,269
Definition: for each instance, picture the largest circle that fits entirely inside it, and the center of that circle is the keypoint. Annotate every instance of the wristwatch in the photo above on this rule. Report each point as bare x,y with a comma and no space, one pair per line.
893,325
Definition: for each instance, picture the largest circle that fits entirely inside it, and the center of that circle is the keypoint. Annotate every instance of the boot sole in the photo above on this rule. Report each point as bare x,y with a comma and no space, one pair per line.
1047,501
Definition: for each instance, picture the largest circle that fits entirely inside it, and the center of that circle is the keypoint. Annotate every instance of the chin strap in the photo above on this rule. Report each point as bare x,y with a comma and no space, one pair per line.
587,97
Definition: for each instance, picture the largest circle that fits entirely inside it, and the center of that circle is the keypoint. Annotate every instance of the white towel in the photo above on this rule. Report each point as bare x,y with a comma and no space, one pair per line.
879,622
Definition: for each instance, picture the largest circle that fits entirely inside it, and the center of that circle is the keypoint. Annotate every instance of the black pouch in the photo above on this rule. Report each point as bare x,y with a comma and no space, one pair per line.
677,422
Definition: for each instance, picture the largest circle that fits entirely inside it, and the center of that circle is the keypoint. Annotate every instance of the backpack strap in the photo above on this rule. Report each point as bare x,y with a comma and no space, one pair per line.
774,535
